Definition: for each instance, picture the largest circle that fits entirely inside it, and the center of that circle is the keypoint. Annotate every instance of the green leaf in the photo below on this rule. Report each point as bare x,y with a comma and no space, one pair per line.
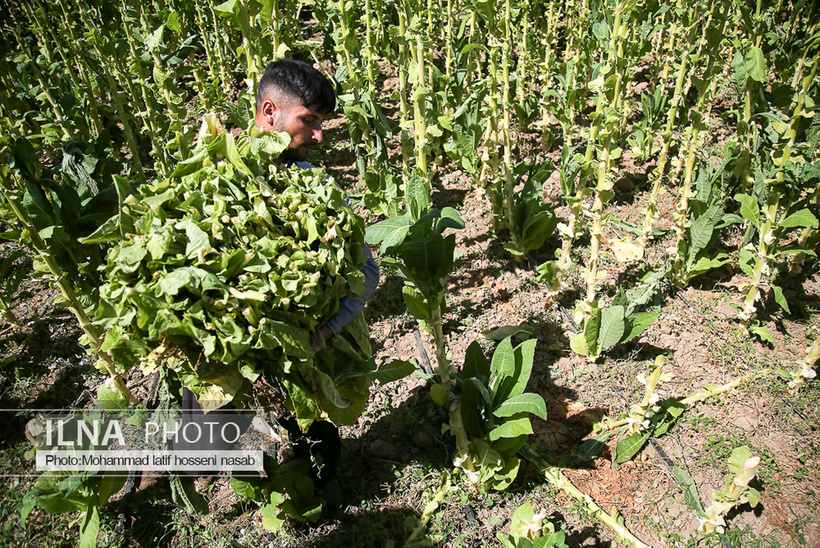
392,371
578,344
522,331
173,22
227,9
524,357
475,362
521,519
523,403
749,209
271,519
700,234
762,332
440,395
511,429
705,264
90,527
627,448
153,40
803,219
738,458
416,303
753,495
756,65
779,298
197,238
502,364
417,200
592,329
591,449
638,322
111,400
690,490
612,327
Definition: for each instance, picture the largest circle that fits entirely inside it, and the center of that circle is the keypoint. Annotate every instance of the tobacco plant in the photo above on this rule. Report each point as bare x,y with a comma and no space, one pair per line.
495,411
414,245
529,529
736,491
695,252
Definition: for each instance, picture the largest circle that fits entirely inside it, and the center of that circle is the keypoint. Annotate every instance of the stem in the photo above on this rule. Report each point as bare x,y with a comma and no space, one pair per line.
368,57
443,363
419,103
703,395
556,477
223,65
403,110
796,116
651,209
116,94
807,366
509,184
9,315
737,487
62,121
148,113
251,56
682,210
595,234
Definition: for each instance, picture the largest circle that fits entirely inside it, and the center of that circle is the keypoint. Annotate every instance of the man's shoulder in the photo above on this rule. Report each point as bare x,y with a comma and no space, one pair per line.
301,164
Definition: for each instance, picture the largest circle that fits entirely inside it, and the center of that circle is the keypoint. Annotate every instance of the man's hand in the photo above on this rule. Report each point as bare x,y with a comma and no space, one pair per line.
319,338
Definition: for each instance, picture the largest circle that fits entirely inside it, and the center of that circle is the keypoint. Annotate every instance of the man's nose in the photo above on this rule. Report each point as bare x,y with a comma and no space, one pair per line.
317,134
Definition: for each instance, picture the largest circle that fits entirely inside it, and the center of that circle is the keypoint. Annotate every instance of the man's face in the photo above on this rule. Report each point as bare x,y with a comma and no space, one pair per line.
302,123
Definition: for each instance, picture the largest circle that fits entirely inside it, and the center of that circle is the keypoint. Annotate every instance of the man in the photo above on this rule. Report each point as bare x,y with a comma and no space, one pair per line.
295,98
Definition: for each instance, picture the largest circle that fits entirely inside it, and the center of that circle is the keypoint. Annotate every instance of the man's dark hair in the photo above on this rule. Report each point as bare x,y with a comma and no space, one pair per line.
301,80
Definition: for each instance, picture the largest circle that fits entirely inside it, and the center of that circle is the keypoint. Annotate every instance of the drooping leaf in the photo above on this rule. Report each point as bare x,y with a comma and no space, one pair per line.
780,298
800,219
749,208
690,490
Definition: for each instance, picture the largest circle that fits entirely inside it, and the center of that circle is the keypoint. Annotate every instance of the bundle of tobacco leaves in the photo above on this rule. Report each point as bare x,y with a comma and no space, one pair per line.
224,270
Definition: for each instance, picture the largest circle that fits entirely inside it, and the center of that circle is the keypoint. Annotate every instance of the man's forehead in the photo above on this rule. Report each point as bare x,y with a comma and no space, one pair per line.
311,110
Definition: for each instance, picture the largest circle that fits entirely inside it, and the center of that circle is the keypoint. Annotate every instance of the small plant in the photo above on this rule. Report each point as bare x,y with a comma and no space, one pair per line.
736,491
529,530
806,366
495,411
415,246
620,322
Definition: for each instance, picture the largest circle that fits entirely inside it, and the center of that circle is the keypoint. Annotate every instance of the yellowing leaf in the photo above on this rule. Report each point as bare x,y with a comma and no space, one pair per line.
579,344
626,251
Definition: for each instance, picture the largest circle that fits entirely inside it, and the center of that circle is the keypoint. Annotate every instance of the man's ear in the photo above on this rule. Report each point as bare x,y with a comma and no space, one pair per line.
266,116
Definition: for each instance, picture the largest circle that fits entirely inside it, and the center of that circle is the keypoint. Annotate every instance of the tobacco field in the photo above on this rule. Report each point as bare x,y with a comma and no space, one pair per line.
596,223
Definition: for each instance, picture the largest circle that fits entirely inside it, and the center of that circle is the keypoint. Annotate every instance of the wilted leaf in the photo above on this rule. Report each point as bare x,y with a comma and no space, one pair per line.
625,250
